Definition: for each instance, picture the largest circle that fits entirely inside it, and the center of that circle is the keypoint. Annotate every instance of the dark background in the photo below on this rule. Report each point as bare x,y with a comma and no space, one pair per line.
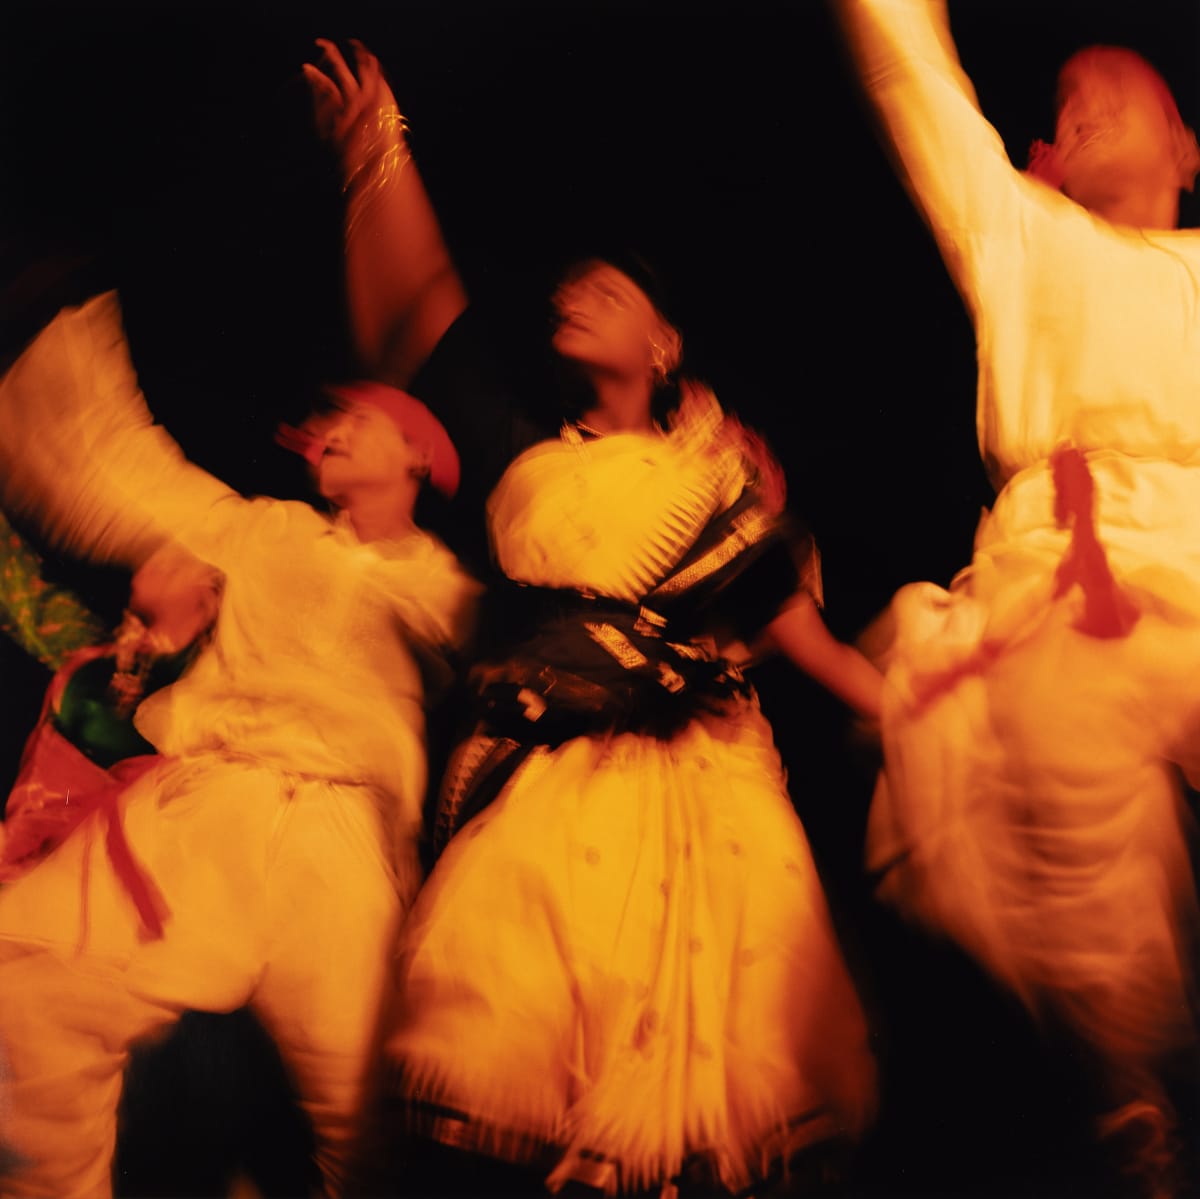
166,149
726,139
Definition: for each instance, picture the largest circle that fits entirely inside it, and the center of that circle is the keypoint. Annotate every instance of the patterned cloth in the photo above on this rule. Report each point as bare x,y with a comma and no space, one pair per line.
577,663
47,621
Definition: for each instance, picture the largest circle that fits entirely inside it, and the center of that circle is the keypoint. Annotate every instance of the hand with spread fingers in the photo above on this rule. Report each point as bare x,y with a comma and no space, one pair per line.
355,111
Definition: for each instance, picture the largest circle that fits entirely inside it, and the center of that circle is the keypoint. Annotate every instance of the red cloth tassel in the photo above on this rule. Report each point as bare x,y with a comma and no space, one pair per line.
147,898
1107,611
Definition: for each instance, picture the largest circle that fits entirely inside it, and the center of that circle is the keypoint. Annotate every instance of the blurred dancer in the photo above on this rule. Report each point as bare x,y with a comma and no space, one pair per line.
1044,709
622,970
181,1115
277,834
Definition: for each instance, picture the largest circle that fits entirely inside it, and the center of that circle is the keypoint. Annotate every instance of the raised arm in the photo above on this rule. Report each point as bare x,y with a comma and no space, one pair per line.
950,159
81,457
403,289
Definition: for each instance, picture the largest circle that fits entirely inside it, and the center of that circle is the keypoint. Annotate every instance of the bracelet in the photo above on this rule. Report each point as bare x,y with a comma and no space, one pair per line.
386,156
385,141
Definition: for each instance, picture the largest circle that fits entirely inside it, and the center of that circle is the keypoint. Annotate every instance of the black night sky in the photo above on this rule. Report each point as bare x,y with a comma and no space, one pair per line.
165,148
725,140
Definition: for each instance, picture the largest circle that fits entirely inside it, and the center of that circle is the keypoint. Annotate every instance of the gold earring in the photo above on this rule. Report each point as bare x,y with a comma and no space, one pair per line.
658,360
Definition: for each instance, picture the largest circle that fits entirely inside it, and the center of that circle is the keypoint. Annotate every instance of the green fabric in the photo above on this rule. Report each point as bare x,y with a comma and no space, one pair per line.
46,621
86,716
87,719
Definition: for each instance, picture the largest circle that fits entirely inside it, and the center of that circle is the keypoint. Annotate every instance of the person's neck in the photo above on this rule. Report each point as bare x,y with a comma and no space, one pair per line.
381,517
621,406
1142,210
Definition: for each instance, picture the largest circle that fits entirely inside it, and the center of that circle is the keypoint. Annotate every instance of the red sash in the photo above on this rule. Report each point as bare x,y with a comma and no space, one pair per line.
58,785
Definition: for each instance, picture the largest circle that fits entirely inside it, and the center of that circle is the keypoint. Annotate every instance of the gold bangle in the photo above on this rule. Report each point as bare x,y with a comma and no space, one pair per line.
383,139
385,155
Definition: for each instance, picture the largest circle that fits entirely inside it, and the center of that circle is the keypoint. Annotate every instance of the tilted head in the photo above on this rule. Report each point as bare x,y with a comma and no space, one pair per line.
1120,144
424,447
607,325
373,436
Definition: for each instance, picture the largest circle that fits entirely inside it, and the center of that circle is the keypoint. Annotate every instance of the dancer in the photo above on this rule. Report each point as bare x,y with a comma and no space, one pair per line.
83,749
622,968
1043,711
277,835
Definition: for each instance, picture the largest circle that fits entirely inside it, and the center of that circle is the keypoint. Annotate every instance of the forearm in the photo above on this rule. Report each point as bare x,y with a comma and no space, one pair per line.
403,290
951,161
80,455
801,635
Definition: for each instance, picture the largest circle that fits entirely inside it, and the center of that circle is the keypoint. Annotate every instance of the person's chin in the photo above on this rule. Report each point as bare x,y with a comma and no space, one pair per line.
576,357
571,340
330,480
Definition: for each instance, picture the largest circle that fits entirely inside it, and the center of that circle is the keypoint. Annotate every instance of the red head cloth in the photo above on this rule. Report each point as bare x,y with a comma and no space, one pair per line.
411,417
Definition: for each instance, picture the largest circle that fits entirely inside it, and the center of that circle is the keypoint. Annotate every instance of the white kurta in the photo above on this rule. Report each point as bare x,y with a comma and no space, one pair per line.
314,660
1031,806
627,959
280,828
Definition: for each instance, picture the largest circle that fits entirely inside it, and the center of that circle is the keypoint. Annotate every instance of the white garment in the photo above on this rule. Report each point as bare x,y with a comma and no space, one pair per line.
627,959
281,827
1031,806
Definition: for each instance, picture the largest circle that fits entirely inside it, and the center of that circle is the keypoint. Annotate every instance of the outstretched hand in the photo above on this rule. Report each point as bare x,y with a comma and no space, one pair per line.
349,100
402,287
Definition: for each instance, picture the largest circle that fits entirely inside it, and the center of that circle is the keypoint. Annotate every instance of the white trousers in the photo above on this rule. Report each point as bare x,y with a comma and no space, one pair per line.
281,897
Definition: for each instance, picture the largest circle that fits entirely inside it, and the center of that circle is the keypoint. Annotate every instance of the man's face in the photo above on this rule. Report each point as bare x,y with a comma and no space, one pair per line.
1113,135
364,448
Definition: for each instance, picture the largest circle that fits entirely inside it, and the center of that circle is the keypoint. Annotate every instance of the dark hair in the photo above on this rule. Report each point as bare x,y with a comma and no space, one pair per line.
634,265
571,384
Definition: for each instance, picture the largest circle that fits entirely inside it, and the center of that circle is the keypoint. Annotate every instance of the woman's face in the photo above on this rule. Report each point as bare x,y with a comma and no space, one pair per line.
606,322
1114,135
